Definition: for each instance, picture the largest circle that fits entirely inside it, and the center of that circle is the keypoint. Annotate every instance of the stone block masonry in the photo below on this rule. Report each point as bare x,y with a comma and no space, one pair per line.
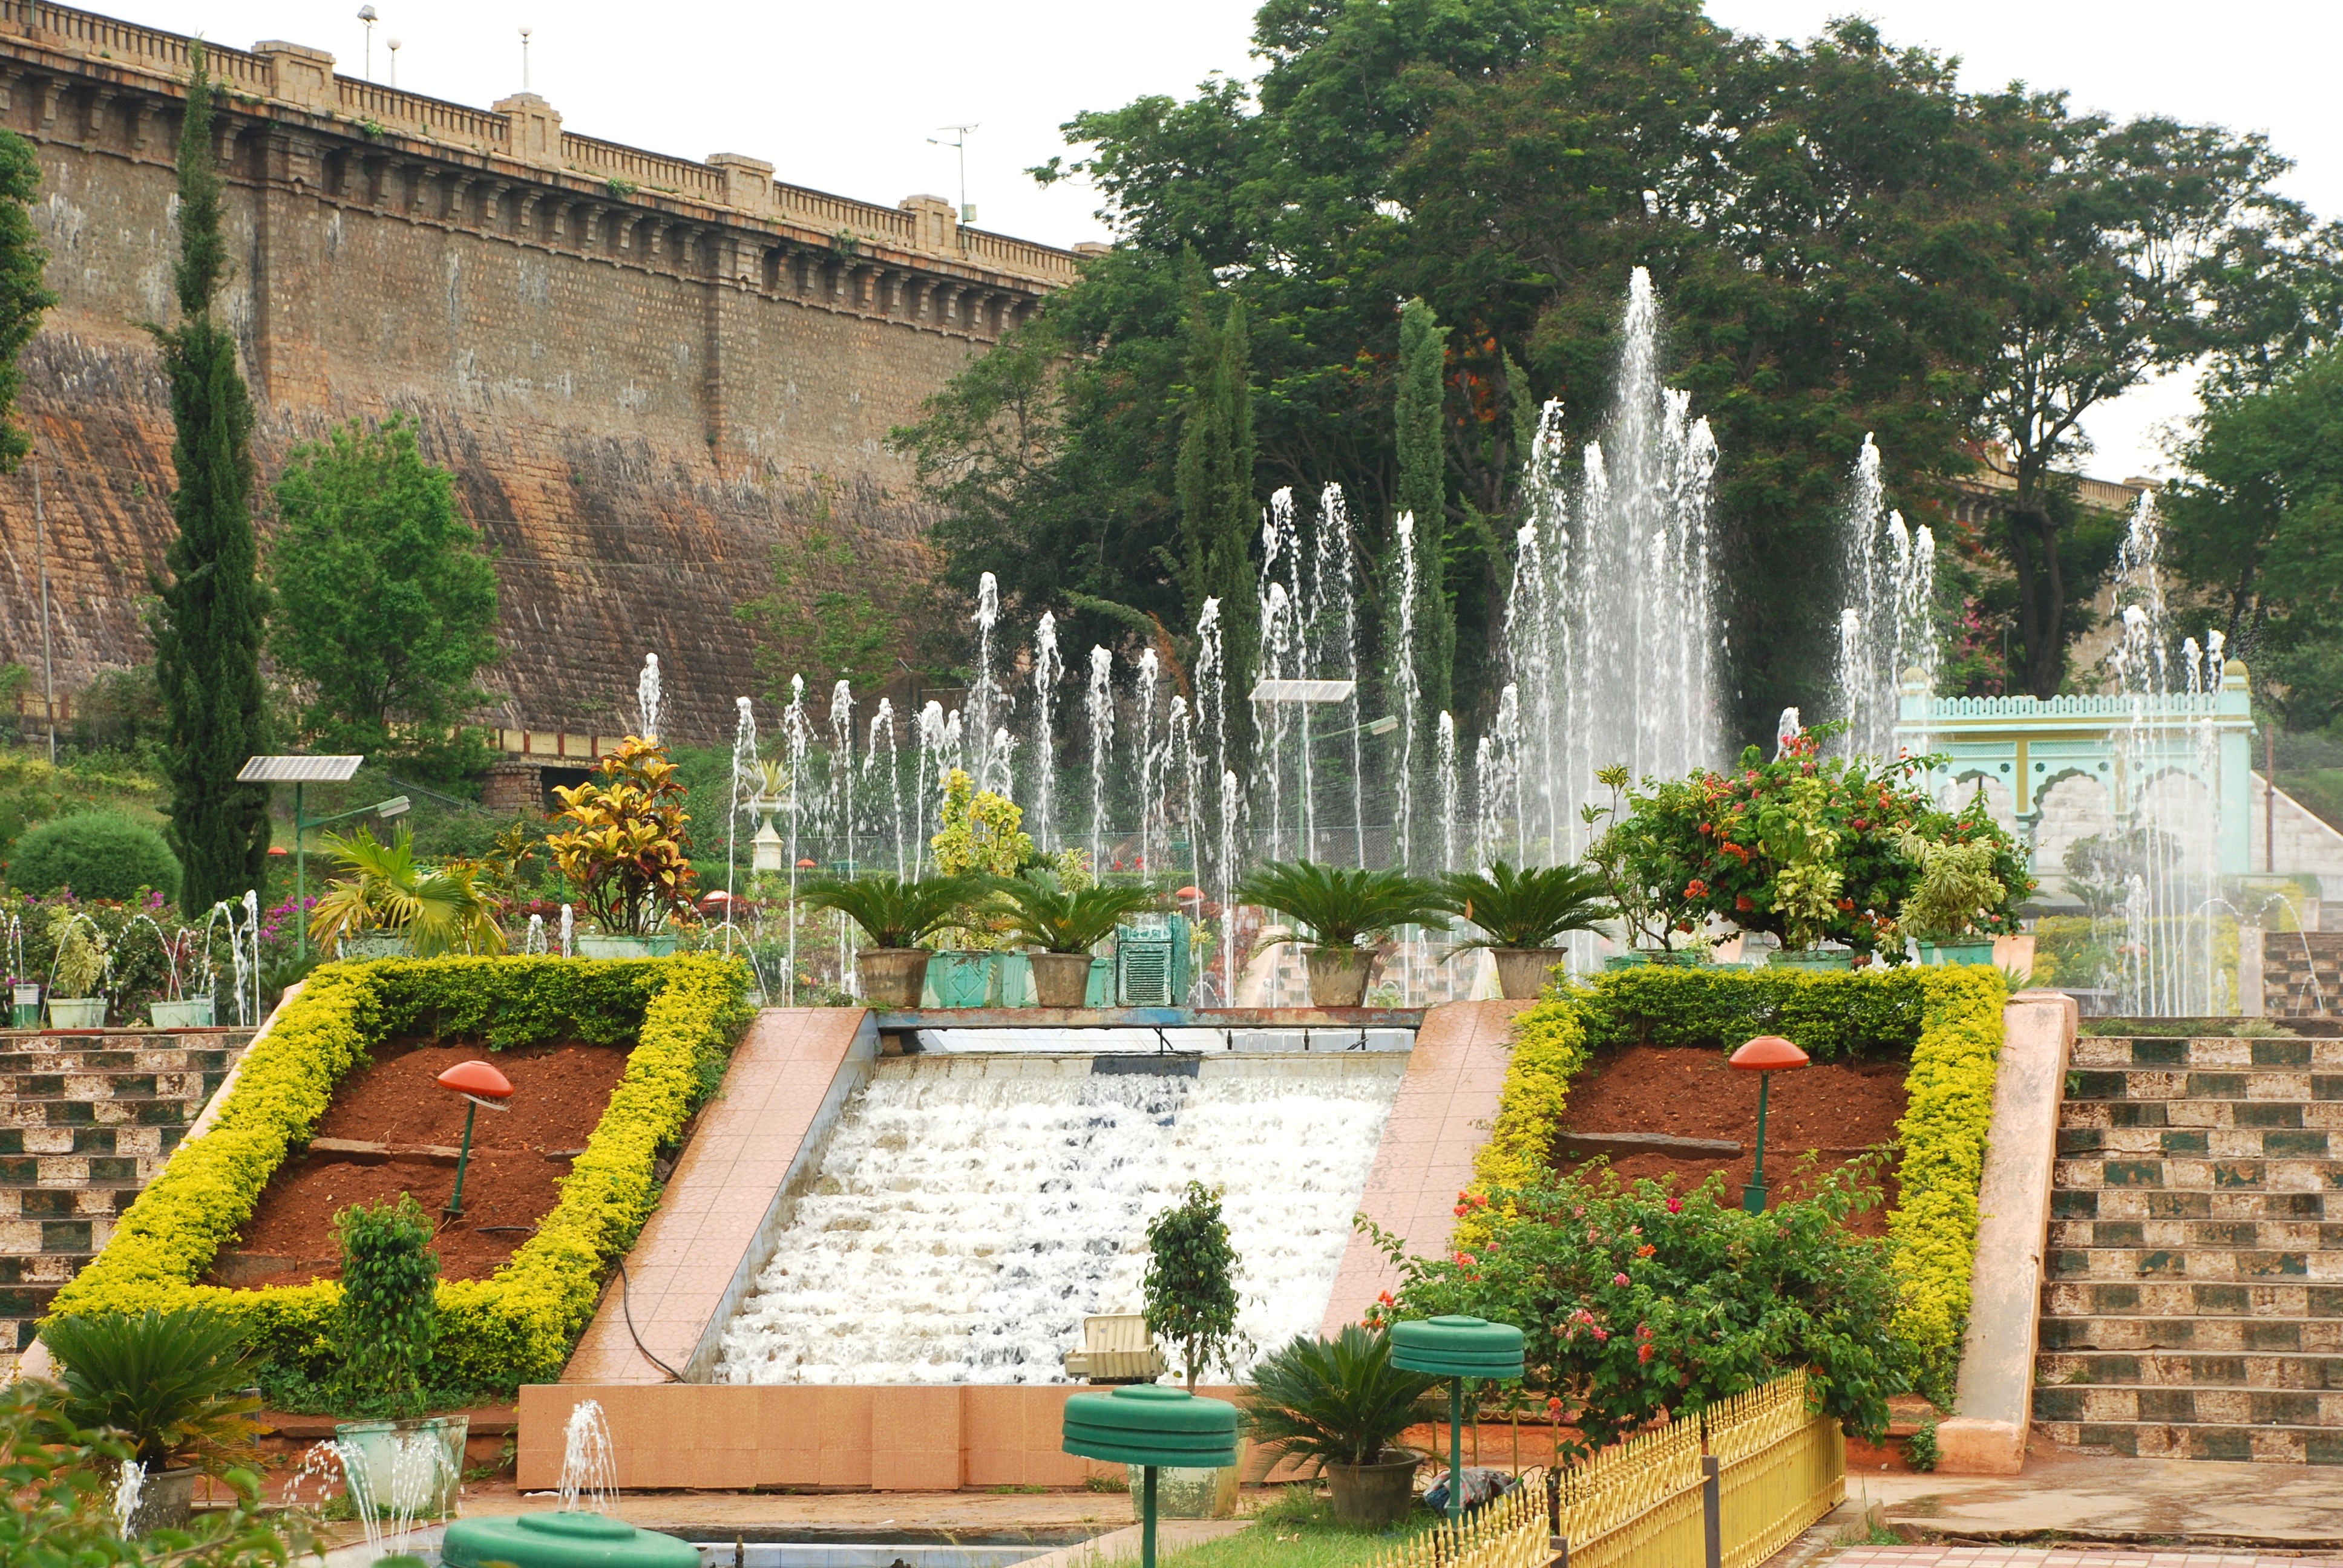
646,372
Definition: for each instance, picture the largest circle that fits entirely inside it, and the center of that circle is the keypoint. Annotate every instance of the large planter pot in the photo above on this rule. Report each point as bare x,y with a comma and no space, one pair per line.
1184,1494
375,945
195,1012
412,1469
1814,960
1979,951
1338,976
1373,1496
599,946
963,980
1523,973
77,1012
891,977
166,1501
1061,979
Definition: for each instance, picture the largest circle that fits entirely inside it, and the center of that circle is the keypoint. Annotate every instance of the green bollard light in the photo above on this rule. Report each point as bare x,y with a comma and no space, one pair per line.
479,1084
1147,1425
1457,1348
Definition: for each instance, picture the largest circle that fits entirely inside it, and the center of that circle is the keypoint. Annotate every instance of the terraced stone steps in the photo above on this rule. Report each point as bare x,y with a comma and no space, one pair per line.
2192,1286
87,1119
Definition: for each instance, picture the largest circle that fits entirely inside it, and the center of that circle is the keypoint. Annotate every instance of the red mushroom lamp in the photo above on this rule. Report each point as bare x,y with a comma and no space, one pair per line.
1764,1056
479,1084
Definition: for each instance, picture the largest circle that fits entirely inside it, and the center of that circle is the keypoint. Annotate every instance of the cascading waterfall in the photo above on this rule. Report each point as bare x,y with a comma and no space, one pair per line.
1887,626
964,1222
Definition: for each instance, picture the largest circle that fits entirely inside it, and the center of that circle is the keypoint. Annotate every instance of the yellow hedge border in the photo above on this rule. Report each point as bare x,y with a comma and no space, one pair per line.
1932,1230
517,1326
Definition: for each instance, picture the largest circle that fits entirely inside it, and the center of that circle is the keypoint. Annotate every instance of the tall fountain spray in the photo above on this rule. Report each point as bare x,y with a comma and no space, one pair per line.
1613,641
647,698
1048,669
882,731
1098,703
796,734
1411,691
1332,583
1146,756
1886,627
985,697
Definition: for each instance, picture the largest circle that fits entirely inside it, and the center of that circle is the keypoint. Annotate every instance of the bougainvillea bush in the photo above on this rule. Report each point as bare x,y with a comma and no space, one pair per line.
1807,847
1637,1300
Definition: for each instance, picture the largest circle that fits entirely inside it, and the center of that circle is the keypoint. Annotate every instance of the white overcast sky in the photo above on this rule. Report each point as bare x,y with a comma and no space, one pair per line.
844,96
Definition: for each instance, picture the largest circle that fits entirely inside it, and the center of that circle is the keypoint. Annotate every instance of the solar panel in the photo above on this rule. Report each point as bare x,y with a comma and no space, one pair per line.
298,769
1303,691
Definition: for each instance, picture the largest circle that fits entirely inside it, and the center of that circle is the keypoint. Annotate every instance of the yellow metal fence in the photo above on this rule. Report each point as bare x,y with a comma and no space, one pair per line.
1725,1487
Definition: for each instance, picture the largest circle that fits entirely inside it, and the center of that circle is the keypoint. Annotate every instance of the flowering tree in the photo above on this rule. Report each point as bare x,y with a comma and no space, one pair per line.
1636,1300
1809,848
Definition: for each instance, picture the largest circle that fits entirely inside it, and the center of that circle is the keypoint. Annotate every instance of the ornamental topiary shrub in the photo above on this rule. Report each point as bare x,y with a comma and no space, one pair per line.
98,855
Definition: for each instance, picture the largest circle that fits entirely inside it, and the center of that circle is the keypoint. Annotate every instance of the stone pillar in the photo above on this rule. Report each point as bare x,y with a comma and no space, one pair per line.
2251,997
748,182
532,130
300,76
935,223
513,788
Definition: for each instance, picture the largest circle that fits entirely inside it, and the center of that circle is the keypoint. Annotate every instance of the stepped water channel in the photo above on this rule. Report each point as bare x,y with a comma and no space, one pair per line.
971,1207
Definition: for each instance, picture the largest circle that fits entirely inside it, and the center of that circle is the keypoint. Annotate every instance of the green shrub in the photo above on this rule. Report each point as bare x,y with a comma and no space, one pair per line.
389,1320
1335,1402
98,855
518,1326
1190,1290
1636,1300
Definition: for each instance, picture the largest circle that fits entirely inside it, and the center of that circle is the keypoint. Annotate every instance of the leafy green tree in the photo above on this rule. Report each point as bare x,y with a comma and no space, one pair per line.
2254,526
386,603
23,299
1191,1285
1424,491
1219,518
210,608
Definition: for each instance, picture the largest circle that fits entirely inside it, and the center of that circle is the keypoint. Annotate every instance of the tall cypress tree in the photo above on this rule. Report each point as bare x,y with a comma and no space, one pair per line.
22,298
1219,518
210,608
1423,490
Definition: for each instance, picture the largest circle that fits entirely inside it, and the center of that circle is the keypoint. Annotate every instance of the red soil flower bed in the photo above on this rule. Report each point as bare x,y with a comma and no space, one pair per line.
1838,1110
560,1092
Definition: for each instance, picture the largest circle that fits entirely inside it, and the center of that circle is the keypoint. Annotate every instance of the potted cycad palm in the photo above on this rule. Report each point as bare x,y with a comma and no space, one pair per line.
1064,923
897,916
177,1386
1340,909
1340,1405
1521,913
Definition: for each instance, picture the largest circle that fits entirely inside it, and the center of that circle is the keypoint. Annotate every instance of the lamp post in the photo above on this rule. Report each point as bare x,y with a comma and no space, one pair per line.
1147,1425
1457,1348
299,771
1764,1056
479,1084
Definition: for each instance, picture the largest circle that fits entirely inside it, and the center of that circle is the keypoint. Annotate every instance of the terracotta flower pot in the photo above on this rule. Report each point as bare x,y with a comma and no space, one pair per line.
1523,973
1373,1496
891,977
1061,979
1338,976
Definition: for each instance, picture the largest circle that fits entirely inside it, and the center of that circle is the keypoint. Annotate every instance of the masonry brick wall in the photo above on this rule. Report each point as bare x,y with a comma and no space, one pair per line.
641,394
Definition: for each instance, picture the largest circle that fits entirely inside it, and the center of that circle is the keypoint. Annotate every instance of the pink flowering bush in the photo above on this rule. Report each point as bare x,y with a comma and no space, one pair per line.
1640,1302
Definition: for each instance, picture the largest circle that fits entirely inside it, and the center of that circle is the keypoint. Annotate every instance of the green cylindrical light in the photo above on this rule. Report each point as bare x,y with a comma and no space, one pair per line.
1147,1425
562,1541
1457,1348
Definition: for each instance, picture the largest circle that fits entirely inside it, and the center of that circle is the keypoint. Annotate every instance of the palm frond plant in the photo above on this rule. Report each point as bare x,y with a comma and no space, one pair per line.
1337,908
175,1384
896,915
1337,1406
1521,910
439,910
894,912
1038,907
1065,921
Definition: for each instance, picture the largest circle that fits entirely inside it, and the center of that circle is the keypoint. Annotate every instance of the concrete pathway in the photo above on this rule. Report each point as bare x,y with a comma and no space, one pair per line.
2063,1557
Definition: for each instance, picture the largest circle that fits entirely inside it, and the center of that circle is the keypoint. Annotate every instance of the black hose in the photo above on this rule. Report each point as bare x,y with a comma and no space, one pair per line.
628,1312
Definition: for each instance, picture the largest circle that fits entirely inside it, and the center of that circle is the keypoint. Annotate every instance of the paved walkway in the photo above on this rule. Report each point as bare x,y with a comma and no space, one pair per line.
2062,1557
2206,1502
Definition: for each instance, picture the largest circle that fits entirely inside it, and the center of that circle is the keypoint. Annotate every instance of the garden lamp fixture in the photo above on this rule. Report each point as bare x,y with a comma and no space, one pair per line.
1764,1056
366,15
1148,1424
393,45
479,1084
1457,1348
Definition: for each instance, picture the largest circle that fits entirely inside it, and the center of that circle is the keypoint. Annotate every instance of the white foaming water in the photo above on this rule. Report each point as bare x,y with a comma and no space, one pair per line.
970,1212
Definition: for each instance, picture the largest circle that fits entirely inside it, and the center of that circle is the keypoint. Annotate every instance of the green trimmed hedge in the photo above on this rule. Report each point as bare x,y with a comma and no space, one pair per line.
683,1015
1946,1022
